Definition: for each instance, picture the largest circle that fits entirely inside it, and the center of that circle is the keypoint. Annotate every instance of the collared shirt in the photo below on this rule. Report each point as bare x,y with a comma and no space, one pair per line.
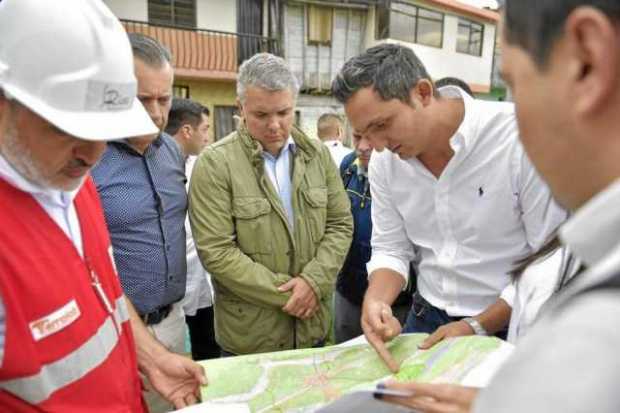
278,170
198,291
361,171
337,150
58,204
488,209
593,231
572,349
145,203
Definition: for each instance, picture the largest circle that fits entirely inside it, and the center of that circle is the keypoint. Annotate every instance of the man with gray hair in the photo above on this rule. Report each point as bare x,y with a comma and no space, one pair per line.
456,184
270,220
141,182
70,341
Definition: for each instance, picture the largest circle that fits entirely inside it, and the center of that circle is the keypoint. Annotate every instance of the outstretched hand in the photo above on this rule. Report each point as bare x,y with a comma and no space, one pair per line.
380,325
453,329
176,378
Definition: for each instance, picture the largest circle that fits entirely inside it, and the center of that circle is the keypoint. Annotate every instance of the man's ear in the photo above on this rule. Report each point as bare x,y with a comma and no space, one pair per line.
422,92
593,42
240,108
186,131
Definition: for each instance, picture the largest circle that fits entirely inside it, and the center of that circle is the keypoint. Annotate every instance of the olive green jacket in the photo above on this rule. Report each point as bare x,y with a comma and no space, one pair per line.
244,240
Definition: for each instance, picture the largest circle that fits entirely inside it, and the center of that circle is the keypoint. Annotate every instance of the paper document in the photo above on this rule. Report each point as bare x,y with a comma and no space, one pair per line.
305,380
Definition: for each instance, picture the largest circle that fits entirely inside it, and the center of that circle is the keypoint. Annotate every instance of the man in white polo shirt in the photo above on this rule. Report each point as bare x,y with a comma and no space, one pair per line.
454,184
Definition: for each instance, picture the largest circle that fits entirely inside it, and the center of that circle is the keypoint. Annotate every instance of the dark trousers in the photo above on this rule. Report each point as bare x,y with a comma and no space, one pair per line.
426,318
202,334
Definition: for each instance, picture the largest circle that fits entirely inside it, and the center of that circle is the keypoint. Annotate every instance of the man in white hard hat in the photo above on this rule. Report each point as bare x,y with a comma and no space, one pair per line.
69,340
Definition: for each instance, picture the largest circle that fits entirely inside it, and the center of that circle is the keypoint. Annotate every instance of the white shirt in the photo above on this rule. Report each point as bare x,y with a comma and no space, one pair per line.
533,289
58,204
198,288
488,209
278,169
337,150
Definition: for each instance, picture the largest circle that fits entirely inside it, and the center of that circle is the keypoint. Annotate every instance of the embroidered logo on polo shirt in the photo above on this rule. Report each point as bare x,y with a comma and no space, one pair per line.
56,321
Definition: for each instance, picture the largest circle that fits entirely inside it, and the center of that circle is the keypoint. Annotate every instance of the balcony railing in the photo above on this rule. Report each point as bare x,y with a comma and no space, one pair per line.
206,54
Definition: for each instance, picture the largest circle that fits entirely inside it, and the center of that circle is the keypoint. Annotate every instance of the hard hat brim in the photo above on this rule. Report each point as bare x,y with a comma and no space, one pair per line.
92,125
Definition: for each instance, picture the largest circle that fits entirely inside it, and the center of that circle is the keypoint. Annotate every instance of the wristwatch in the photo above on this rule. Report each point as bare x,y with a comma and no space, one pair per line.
476,326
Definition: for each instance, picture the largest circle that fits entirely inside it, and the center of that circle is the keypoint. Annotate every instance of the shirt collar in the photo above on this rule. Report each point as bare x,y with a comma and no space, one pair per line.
54,197
592,232
360,168
290,145
124,143
466,132
332,142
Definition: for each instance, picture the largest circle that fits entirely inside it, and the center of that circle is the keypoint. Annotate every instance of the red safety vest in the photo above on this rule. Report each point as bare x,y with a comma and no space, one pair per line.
68,344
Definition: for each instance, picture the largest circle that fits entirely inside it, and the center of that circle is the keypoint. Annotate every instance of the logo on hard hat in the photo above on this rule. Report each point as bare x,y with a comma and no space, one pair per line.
109,96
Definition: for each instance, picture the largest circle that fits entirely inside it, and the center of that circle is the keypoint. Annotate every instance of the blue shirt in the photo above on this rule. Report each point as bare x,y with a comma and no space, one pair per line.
279,171
145,203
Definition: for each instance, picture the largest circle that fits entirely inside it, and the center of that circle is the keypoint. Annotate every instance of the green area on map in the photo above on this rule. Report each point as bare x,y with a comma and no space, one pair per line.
299,381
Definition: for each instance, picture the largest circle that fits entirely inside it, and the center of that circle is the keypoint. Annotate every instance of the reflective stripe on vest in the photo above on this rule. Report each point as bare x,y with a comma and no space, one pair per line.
54,376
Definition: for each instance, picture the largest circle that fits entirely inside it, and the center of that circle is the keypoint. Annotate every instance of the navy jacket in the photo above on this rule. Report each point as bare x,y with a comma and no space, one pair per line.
353,278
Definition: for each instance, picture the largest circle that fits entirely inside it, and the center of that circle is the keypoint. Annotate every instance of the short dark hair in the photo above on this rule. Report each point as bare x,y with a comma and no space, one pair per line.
392,70
183,112
535,25
326,123
454,81
149,50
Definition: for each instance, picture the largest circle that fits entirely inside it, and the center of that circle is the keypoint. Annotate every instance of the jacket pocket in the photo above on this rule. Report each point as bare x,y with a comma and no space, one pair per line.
252,217
316,212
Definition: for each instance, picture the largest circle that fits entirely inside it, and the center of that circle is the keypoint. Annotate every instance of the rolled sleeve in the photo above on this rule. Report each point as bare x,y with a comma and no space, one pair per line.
391,263
508,294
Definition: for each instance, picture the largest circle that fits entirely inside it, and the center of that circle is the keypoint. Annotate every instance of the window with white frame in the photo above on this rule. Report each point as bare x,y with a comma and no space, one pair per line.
470,37
410,23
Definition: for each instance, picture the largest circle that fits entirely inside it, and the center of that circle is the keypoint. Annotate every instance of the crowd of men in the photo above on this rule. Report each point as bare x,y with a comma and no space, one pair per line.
448,217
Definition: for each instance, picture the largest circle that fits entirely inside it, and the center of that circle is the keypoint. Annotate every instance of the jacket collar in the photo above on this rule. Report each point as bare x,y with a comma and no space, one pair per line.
303,145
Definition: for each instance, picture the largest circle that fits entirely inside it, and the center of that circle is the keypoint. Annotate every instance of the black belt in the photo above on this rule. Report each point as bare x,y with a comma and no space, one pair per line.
156,316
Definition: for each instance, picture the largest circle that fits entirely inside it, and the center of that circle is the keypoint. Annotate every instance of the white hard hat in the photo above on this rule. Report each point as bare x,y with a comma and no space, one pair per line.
71,63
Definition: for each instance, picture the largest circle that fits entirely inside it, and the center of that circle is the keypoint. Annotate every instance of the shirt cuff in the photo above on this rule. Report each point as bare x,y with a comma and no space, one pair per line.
391,263
508,294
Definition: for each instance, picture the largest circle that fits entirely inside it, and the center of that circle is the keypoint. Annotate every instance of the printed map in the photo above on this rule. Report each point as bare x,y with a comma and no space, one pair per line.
303,380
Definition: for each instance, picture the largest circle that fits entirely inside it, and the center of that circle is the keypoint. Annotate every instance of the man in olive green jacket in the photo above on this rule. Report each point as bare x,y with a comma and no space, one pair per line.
271,220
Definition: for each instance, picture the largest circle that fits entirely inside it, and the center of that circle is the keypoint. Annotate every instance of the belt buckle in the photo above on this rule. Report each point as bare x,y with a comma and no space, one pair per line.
146,317
156,316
